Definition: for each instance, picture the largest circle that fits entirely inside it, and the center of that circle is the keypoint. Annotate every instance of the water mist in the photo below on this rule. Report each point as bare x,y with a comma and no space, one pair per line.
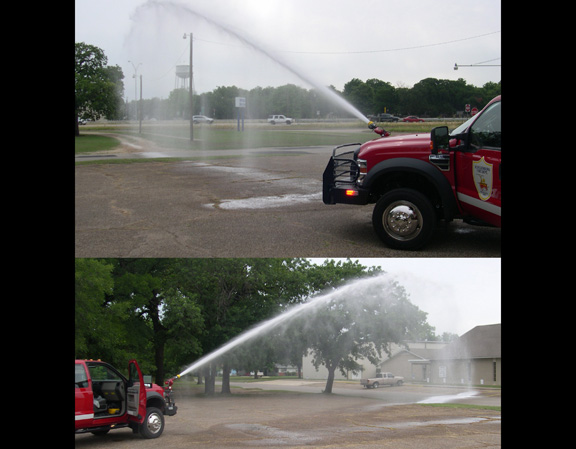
382,284
180,10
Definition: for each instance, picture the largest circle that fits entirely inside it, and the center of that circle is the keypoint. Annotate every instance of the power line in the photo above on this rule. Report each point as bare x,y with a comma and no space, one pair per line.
367,51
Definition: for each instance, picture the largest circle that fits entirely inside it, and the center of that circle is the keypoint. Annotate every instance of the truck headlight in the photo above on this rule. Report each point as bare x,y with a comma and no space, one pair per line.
362,171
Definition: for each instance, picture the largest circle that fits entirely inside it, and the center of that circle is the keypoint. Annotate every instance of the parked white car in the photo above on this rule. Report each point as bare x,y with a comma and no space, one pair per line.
273,119
202,119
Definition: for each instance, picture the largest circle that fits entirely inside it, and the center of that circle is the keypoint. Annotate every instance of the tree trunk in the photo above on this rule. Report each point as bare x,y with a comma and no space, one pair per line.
159,359
226,379
330,380
210,380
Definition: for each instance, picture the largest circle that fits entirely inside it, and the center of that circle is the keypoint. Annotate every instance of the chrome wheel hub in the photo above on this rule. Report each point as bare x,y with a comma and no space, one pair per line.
154,423
402,220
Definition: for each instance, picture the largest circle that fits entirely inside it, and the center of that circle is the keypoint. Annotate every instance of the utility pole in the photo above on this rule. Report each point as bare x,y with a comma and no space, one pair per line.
135,76
191,93
140,108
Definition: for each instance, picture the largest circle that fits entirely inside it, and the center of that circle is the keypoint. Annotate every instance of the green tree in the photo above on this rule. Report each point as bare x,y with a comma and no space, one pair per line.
358,322
182,317
360,94
98,325
384,96
168,312
234,294
98,89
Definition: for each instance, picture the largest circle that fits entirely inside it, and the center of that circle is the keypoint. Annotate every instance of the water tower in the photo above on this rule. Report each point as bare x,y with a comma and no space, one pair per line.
182,77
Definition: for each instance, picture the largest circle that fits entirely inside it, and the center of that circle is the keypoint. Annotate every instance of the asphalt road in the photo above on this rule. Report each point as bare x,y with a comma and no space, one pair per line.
307,418
235,203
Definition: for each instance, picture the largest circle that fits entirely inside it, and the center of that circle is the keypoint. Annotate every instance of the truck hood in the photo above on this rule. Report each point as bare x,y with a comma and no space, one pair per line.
409,145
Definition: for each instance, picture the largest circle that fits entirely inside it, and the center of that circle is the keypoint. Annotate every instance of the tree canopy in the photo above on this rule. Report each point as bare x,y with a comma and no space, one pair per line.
167,313
98,88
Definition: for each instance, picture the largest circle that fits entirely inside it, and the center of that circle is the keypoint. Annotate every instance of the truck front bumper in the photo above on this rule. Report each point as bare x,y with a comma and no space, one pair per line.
339,184
170,409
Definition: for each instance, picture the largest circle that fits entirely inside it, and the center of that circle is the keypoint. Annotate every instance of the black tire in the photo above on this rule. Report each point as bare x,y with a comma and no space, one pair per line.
404,219
153,424
375,385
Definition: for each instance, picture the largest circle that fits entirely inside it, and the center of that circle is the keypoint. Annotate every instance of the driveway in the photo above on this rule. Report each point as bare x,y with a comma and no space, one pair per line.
235,203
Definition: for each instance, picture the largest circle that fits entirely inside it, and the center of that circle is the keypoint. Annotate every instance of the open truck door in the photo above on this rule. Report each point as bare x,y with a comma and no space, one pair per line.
136,393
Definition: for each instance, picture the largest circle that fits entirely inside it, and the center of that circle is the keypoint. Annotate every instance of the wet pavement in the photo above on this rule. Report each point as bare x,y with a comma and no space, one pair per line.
236,203
291,419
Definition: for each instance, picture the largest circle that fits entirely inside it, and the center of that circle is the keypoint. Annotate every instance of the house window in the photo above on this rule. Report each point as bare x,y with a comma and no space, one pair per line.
442,371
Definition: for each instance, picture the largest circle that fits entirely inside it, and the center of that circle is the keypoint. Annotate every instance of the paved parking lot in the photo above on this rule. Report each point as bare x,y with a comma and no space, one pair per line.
276,419
245,203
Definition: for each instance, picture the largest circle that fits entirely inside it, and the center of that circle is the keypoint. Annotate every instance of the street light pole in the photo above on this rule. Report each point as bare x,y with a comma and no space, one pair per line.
191,92
140,108
135,76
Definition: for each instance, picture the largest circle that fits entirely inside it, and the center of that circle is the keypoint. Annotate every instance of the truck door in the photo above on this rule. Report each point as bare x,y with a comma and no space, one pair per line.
479,167
136,393
84,397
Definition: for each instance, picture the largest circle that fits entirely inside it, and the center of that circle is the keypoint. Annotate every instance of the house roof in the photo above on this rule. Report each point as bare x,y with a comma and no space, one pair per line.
478,343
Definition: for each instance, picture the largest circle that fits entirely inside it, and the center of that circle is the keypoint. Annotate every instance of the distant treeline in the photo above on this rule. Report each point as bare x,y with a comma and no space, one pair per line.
429,97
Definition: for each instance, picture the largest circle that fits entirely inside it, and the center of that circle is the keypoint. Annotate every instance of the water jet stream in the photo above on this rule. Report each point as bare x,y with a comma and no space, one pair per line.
180,9
349,290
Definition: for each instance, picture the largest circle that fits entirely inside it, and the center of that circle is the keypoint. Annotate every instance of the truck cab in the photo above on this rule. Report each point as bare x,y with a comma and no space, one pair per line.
417,180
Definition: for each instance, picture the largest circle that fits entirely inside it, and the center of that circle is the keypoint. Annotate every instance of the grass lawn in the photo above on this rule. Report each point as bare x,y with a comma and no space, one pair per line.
225,136
86,143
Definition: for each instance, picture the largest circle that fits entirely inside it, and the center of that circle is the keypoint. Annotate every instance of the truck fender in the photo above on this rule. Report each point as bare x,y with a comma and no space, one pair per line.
417,167
155,399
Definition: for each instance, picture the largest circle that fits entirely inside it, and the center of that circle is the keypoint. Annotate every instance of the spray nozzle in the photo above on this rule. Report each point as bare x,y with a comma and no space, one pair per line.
170,381
378,130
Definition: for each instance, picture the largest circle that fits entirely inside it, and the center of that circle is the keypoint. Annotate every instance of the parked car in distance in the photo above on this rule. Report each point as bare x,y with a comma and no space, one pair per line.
202,119
273,119
384,117
412,118
382,379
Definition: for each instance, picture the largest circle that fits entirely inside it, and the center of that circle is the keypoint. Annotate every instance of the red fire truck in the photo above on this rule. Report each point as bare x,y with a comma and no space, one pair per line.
416,180
106,399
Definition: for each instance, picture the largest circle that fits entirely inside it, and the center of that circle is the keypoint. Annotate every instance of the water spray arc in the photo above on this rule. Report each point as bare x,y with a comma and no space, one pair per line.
348,290
179,9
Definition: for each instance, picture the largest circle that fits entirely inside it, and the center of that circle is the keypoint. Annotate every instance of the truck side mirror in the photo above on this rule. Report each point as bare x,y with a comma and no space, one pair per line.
439,139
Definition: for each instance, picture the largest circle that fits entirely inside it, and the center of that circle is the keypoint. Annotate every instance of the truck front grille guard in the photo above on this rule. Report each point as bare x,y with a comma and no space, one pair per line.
346,168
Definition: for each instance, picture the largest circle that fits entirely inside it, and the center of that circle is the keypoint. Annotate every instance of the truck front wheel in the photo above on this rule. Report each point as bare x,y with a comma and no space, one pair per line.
153,424
404,219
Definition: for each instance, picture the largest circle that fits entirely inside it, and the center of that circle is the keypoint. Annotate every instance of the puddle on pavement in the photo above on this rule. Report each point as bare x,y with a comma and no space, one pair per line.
153,154
448,398
265,202
271,436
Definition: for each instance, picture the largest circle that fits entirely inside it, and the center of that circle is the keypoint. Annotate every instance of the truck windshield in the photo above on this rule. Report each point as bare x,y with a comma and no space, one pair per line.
463,127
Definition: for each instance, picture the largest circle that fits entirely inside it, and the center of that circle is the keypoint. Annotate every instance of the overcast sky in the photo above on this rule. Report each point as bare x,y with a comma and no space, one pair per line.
331,41
458,294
